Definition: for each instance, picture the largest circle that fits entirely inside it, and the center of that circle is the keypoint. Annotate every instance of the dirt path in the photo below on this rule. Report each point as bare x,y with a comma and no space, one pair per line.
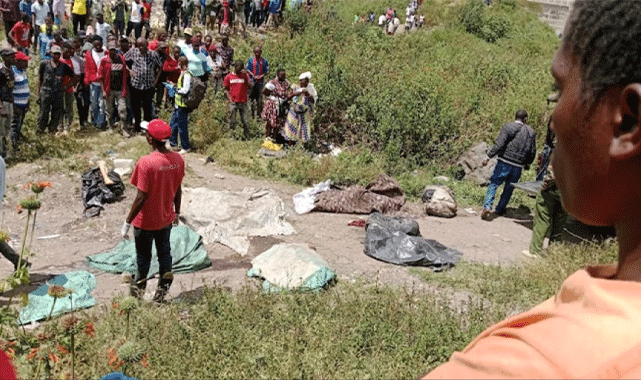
64,238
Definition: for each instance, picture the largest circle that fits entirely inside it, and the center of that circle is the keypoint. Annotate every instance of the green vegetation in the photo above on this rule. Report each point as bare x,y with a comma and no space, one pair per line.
352,330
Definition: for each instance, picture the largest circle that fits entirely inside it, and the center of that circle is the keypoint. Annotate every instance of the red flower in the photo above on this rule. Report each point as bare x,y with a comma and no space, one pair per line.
62,349
32,353
44,184
90,329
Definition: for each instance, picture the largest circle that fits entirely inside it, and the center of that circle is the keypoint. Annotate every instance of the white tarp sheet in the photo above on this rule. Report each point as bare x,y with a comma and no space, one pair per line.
230,218
290,267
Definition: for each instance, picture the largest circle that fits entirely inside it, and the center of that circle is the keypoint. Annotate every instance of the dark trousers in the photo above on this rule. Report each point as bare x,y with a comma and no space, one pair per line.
9,253
171,22
179,126
141,99
78,22
119,27
8,25
144,240
16,125
82,103
136,27
51,111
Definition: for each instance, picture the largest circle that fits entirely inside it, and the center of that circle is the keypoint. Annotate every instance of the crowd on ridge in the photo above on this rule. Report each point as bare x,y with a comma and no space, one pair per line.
105,74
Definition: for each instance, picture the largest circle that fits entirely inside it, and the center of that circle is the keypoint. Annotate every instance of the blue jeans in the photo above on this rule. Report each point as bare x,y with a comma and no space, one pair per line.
179,120
503,172
144,240
97,105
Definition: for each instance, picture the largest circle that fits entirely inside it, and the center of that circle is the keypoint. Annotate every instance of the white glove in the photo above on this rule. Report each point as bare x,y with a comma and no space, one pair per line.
124,231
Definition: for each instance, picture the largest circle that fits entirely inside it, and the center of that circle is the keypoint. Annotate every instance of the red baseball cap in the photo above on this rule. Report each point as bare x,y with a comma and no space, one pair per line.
157,129
20,56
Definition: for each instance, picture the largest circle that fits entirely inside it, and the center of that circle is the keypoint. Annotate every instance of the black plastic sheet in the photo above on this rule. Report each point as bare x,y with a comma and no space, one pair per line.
95,193
398,241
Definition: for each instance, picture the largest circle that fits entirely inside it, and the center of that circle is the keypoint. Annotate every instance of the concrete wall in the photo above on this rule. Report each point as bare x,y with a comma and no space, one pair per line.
555,12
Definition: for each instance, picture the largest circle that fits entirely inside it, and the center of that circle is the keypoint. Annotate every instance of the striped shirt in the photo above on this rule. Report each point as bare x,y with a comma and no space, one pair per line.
21,88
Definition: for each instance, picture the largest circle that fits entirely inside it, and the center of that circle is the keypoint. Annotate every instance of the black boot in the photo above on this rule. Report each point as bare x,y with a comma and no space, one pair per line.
137,288
163,287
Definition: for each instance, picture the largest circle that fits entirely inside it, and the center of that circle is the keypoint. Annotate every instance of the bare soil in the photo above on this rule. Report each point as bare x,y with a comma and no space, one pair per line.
64,238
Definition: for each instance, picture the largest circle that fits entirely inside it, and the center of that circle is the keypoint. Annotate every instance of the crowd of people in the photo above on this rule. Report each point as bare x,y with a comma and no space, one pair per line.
108,75
389,21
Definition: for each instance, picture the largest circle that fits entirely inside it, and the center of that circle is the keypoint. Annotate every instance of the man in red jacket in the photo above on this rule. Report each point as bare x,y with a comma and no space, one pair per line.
113,70
94,80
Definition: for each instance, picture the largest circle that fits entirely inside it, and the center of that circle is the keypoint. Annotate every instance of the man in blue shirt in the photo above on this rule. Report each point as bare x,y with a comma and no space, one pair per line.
257,67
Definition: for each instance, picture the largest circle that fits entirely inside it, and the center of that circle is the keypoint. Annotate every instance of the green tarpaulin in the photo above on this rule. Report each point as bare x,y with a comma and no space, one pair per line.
39,307
187,253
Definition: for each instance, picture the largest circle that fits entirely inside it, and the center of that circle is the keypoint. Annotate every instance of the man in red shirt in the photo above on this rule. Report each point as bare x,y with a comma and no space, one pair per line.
236,86
145,18
20,35
158,177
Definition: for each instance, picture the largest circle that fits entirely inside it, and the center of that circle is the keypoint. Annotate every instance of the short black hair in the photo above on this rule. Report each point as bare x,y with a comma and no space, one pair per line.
280,70
521,115
25,17
239,63
604,38
96,38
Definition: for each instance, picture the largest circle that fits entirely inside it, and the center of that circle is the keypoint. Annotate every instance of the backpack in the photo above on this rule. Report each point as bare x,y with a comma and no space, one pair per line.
196,93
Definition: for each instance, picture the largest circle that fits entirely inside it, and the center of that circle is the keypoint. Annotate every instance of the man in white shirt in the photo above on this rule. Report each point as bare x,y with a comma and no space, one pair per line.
102,28
40,10
135,20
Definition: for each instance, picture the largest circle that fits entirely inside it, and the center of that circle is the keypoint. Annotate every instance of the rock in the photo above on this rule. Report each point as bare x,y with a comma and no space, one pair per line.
439,200
471,162
123,166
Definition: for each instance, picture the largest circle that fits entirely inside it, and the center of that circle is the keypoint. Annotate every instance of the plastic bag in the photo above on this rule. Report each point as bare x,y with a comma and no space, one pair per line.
387,239
304,201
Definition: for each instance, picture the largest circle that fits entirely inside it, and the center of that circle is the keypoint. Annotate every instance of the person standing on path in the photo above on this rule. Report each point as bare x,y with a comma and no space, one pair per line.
10,14
78,15
144,67
135,19
236,86
180,117
158,177
21,94
257,67
51,75
114,74
7,83
93,60
21,34
119,9
516,149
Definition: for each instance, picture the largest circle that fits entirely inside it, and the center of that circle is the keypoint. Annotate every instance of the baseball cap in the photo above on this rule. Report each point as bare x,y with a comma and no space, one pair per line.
157,129
56,49
20,56
188,31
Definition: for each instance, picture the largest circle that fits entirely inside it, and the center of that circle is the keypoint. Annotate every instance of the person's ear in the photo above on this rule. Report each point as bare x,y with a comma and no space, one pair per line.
626,136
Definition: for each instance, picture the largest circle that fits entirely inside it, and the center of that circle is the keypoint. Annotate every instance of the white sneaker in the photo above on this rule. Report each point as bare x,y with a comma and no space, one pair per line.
184,151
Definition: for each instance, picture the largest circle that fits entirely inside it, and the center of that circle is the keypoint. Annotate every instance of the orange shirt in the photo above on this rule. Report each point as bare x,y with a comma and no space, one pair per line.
590,329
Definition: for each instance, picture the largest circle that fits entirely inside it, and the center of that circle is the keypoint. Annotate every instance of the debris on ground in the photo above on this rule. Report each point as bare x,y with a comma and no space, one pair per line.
99,188
439,201
382,195
80,283
287,267
187,253
398,240
230,217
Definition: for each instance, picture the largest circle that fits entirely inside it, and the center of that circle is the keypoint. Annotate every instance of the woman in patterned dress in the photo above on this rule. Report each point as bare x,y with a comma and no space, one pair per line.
299,119
278,93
